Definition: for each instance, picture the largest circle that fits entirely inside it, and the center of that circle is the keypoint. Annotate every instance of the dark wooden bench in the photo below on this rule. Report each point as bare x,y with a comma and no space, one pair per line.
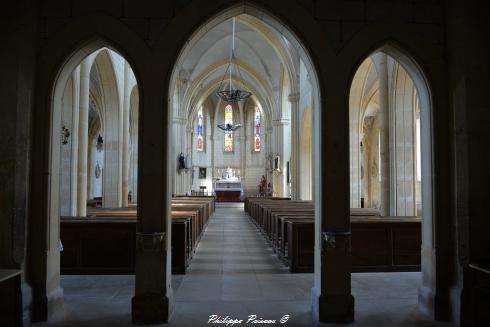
385,244
10,297
301,245
378,243
104,241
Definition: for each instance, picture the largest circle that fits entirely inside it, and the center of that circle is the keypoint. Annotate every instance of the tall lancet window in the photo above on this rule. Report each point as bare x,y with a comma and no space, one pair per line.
257,130
200,139
228,133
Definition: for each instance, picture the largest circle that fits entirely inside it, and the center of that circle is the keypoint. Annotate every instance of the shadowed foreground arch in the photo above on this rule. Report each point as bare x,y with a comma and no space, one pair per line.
431,295
59,57
274,23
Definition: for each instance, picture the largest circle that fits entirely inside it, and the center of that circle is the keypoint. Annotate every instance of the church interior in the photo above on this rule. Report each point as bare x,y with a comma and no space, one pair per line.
296,162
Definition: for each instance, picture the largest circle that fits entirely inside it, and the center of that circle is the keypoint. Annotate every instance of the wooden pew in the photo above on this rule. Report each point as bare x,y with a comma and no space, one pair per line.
272,216
385,243
283,236
180,245
378,243
10,297
104,241
301,244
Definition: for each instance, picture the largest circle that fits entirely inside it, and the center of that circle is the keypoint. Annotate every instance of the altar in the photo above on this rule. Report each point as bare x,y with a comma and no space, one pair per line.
228,188
228,191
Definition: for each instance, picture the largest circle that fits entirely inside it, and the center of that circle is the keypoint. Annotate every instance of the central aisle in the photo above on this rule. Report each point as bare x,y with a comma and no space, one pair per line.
235,273
232,245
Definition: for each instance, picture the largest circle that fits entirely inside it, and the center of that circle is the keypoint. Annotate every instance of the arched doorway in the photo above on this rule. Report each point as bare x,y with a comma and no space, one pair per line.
392,165
194,111
87,104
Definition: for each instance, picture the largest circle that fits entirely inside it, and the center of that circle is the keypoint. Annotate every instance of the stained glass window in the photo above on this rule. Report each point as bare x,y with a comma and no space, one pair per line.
200,139
228,134
257,130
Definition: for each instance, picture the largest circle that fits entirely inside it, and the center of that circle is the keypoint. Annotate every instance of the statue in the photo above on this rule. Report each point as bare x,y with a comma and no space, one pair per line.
181,159
262,185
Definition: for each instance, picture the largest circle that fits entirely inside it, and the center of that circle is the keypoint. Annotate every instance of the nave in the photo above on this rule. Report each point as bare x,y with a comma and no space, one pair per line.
235,273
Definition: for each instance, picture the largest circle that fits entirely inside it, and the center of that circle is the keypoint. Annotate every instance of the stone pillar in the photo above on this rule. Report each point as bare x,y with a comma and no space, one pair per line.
134,109
178,131
90,167
268,152
279,178
384,130
189,175
212,139
74,140
83,138
403,139
243,142
295,147
332,298
125,135
152,302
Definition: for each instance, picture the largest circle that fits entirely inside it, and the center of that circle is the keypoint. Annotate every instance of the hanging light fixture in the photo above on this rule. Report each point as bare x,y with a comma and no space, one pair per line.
229,127
226,91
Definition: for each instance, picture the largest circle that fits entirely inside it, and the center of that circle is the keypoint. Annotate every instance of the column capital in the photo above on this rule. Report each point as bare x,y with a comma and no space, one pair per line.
293,97
281,121
178,121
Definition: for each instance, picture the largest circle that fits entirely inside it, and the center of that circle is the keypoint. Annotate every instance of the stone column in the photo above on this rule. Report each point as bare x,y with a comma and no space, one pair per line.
243,144
152,302
83,138
384,130
74,141
268,152
332,298
295,147
125,136
90,167
189,175
279,178
178,141
403,139
212,138
134,110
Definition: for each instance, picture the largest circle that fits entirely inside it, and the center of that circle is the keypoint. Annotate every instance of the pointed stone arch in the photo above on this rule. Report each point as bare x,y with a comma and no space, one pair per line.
428,84
208,21
60,56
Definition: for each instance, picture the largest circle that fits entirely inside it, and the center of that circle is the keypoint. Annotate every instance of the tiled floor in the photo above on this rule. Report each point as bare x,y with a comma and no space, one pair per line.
234,273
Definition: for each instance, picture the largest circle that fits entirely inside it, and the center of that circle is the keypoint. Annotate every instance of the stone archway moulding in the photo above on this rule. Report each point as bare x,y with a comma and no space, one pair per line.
58,58
425,68
207,22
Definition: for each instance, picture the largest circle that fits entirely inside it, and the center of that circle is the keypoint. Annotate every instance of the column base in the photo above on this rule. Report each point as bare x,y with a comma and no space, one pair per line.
432,304
26,304
150,309
333,308
44,307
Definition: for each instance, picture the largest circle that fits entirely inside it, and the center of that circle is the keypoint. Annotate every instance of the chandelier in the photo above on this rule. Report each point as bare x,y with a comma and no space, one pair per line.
229,127
226,90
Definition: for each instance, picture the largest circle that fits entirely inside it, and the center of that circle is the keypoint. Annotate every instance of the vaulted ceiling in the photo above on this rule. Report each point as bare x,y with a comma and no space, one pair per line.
263,54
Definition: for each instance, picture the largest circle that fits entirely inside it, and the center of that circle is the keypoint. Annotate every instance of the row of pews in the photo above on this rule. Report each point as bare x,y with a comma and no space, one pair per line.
288,226
104,242
378,243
